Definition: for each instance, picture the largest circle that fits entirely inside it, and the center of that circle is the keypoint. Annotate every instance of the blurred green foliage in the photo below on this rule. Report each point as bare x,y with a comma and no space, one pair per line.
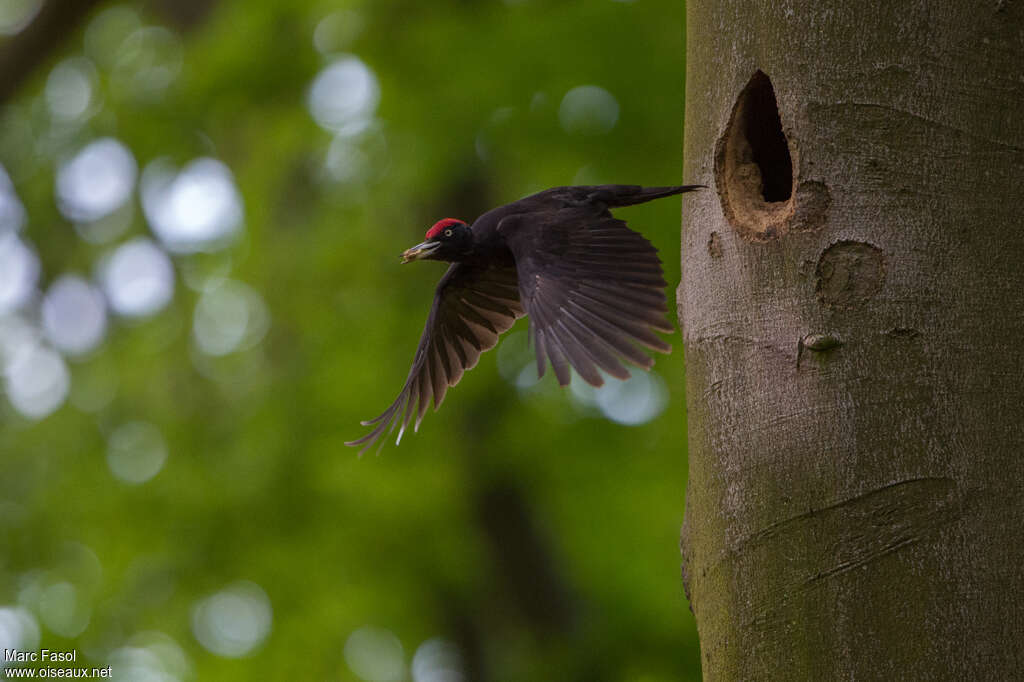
536,536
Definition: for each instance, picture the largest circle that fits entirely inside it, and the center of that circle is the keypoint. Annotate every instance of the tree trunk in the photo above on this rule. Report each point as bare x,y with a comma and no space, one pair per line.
852,306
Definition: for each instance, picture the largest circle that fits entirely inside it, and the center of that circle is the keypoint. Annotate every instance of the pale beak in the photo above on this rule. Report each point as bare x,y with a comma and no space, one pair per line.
421,250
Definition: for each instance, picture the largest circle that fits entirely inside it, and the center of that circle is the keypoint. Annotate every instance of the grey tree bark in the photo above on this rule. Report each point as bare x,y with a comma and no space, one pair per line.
852,306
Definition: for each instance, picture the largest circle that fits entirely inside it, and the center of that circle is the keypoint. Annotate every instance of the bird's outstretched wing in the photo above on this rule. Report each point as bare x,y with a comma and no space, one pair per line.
472,307
593,289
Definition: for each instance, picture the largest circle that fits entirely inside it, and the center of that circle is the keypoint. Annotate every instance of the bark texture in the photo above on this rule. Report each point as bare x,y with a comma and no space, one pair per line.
853,325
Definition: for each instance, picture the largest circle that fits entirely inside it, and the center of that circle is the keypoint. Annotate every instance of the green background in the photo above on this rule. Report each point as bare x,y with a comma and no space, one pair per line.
535,537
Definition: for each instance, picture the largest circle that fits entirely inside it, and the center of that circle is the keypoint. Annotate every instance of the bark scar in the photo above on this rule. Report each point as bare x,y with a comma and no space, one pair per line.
929,122
849,273
856,531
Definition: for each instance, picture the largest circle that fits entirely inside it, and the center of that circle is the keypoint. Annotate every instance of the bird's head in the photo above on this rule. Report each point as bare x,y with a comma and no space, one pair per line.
448,239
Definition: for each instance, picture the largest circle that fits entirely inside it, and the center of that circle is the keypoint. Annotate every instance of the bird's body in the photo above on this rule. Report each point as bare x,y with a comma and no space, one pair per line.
592,287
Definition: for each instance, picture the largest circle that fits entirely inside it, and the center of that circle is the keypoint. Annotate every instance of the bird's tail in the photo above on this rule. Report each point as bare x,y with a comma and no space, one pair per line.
627,195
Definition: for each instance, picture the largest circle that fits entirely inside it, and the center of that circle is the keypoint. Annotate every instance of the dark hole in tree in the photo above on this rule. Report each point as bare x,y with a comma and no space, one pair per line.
766,139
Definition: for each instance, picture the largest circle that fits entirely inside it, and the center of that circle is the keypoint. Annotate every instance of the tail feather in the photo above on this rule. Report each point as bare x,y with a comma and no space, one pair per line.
627,195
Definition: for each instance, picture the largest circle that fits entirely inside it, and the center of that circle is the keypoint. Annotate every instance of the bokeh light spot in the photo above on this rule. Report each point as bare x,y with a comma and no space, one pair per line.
147,61
234,621
588,110
74,315
344,96
150,657
18,630
12,211
17,336
138,664
70,89
96,181
336,31
19,272
198,209
108,31
353,159
346,162
375,655
36,380
63,610
637,400
78,564
136,452
15,15
229,317
137,278
584,396
437,660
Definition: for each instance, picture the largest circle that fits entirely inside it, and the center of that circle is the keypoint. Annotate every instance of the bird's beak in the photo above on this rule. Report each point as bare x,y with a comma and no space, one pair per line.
421,250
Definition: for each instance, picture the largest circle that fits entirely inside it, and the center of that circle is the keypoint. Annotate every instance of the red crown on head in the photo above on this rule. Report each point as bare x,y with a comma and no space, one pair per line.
441,225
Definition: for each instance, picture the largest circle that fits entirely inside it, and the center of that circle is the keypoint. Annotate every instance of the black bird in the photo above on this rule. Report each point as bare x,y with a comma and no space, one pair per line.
593,288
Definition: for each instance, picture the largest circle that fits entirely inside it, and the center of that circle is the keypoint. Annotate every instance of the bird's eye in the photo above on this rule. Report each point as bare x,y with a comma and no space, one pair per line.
447,233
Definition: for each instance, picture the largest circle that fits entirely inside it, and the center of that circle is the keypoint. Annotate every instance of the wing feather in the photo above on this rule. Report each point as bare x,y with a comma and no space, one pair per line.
472,307
593,288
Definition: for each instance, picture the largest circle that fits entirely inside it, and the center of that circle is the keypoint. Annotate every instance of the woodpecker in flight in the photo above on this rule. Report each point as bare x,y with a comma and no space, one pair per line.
593,289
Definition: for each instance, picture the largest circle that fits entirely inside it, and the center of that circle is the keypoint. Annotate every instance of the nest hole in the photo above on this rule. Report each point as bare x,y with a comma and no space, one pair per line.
754,165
